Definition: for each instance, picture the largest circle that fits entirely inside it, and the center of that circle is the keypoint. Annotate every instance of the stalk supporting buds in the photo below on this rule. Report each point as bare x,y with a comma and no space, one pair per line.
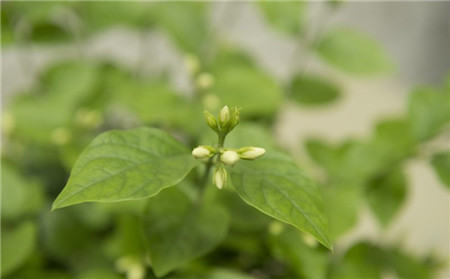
220,177
229,157
203,152
251,152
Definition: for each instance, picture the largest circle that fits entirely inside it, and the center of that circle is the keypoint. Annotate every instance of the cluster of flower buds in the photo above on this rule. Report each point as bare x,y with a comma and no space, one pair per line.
228,119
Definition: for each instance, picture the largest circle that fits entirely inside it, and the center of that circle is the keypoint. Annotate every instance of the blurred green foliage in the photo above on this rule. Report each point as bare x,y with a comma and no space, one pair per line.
46,127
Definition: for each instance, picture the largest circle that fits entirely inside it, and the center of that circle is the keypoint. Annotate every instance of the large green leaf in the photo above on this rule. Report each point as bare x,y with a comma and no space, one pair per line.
353,52
429,111
311,90
278,188
441,165
285,16
386,194
179,229
17,246
126,165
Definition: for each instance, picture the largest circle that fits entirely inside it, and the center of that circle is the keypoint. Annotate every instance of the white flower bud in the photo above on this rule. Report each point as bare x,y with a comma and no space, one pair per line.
224,115
229,157
251,153
220,177
202,152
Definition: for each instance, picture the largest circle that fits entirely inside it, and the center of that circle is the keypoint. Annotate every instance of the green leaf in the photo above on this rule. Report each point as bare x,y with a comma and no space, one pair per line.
186,23
126,165
221,273
311,90
247,88
441,165
341,205
407,265
354,52
386,194
363,260
284,16
290,247
429,111
17,246
278,188
179,229
20,195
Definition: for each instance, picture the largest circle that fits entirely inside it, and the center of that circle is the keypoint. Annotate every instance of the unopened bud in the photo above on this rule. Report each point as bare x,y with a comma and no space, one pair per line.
211,120
220,177
251,153
203,152
229,157
224,116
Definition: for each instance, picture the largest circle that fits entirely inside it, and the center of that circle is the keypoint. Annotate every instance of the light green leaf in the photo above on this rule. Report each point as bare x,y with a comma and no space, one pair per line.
429,111
386,194
311,90
406,265
126,165
285,16
441,164
341,204
277,187
247,88
354,52
17,246
179,229
221,273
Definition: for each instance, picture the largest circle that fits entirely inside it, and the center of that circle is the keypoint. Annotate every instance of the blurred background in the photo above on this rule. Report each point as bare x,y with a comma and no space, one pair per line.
319,79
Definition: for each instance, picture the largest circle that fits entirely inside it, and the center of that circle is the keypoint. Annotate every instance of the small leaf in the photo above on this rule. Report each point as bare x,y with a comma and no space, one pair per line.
278,188
441,164
311,90
429,111
386,194
17,246
284,16
179,229
126,165
354,52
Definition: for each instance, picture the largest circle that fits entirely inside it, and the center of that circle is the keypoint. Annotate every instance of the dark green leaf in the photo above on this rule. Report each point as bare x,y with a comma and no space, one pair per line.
308,262
277,187
354,52
17,246
179,229
126,165
285,16
363,260
386,194
310,90
441,164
